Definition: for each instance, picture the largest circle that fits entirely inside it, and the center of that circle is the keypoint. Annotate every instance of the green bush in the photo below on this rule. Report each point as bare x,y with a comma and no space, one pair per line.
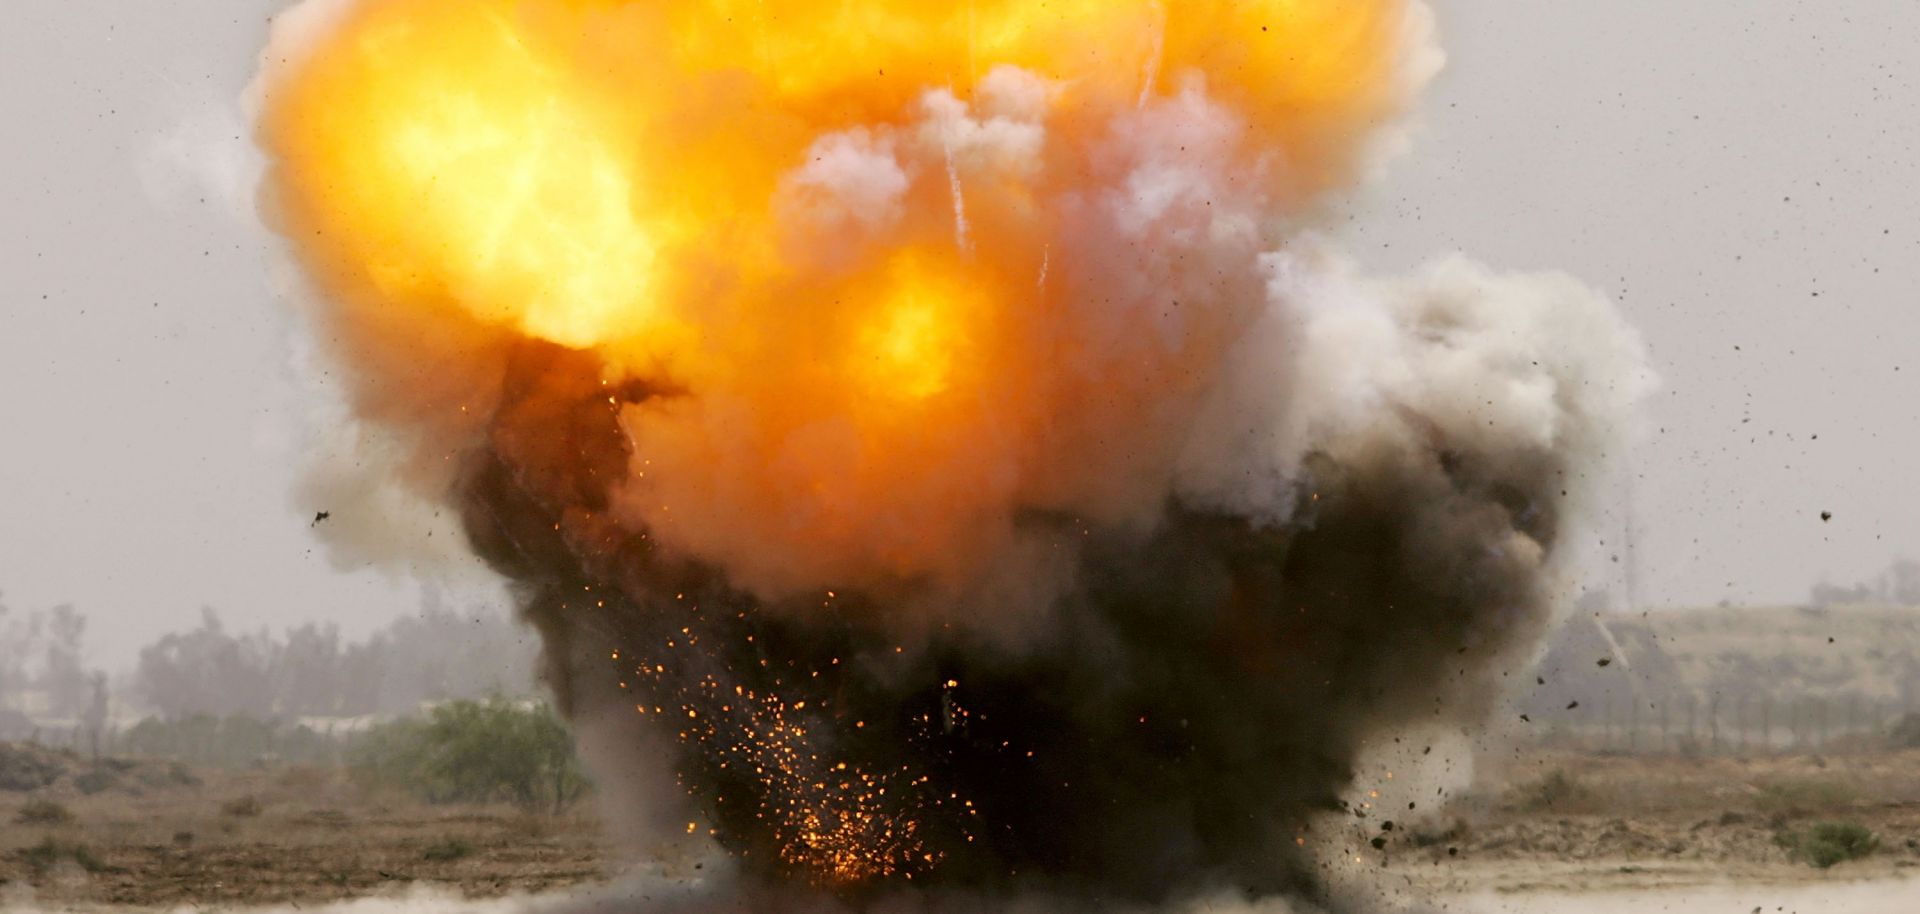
476,752
1829,843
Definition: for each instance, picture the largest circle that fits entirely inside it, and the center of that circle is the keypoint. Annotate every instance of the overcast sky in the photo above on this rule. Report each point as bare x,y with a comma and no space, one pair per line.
1743,177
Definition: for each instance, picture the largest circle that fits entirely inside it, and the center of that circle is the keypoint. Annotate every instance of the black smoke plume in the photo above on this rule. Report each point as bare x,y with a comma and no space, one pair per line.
1190,706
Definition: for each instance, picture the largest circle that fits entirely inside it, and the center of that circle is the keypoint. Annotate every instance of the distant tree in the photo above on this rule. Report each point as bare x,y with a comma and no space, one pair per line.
205,671
1898,584
64,678
1829,594
227,742
96,716
311,671
442,654
307,672
363,674
1903,582
13,644
42,655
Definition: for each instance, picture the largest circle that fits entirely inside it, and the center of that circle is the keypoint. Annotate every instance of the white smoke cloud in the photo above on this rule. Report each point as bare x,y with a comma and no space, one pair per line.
1457,351
205,157
1001,132
852,184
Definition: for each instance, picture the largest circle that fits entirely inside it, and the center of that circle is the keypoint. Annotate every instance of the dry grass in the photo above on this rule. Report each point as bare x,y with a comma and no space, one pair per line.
1678,786
42,812
1687,819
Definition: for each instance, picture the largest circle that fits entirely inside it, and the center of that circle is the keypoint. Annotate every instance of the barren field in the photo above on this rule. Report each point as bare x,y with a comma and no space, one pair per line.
290,835
155,835
1567,821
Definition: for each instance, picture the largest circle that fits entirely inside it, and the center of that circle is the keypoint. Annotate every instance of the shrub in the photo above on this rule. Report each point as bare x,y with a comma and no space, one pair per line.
41,857
1554,791
175,775
476,752
242,807
1828,843
24,767
1793,798
235,741
43,812
305,777
1431,835
1905,733
95,780
450,849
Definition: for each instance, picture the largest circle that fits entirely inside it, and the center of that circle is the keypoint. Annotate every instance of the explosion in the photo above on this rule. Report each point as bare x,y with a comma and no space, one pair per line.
934,428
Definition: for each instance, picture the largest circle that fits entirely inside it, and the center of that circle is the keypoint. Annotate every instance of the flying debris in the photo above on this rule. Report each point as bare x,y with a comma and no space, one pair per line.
1138,510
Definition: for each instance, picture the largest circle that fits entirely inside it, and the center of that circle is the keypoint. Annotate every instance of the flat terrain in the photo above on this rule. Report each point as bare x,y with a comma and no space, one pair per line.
288,835
155,835
1572,821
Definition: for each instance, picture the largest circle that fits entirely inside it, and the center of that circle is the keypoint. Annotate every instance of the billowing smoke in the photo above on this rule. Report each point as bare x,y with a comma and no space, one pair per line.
937,452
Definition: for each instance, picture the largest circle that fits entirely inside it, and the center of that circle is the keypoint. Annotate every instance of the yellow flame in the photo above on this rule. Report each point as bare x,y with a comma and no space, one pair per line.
454,156
919,329
531,159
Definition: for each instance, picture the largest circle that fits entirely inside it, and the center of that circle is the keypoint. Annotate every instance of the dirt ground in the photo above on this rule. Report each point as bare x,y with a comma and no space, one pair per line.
161,836
271,836
1575,822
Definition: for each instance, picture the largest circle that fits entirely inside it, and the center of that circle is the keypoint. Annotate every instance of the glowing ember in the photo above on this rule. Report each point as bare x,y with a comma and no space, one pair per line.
829,821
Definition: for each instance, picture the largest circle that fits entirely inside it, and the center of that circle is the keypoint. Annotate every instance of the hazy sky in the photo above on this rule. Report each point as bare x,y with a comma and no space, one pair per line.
1744,177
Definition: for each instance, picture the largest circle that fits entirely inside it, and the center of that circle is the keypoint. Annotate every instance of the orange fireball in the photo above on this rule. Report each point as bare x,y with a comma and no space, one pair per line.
915,266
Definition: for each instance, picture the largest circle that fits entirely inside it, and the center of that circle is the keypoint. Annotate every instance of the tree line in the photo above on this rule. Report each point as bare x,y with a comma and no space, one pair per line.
40,652
308,670
1898,585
